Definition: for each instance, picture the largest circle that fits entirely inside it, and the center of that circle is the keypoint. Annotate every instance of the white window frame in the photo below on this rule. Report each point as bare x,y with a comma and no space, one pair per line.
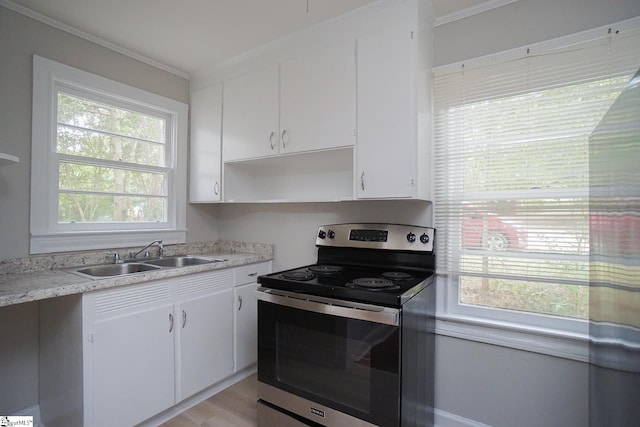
47,235
545,334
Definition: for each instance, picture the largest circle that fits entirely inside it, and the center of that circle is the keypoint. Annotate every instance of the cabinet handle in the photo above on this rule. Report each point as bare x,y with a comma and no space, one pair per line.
170,322
284,133
362,181
216,188
252,274
184,318
271,136
240,302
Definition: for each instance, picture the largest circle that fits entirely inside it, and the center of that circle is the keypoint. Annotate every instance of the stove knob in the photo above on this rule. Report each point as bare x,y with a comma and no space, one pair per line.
411,237
424,238
331,234
322,234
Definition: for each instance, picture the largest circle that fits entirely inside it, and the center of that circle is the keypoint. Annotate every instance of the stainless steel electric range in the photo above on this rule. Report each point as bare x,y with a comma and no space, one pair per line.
348,341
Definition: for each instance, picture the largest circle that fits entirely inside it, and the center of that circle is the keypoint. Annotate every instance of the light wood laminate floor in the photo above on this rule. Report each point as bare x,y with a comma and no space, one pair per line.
232,407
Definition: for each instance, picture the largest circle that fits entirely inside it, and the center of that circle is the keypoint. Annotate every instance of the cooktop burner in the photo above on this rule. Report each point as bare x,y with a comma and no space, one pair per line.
325,269
397,275
373,283
298,275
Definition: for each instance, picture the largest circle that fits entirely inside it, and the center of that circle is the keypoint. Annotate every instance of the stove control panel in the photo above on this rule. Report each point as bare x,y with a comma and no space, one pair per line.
369,235
377,236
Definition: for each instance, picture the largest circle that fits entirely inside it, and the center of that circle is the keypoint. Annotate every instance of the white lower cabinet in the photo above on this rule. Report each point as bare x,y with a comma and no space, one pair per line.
148,347
123,355
246,313
205,331
132,367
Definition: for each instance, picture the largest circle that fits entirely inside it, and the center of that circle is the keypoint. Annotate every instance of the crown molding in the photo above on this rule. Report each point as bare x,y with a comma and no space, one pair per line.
89,37
470,11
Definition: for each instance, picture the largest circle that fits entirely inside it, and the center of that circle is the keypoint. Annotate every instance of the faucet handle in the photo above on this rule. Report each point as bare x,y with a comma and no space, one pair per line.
115,257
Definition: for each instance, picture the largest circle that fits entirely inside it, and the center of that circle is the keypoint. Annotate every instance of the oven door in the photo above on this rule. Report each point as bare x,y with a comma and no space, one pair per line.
336,362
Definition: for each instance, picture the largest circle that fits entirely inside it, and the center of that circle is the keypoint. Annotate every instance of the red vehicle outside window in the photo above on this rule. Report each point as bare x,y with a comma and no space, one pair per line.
492,232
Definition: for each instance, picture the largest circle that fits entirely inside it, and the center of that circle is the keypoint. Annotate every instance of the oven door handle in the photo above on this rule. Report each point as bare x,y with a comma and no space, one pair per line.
332,307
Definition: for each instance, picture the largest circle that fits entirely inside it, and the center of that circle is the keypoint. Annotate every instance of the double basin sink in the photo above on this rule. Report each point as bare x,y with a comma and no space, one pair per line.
110,270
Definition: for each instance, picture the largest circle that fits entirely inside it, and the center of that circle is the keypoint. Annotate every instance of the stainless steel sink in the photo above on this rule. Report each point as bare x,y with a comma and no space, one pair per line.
115,269
180,261
139,266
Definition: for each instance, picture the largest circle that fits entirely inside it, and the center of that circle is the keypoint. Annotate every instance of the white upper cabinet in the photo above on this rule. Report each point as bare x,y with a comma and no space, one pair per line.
251,117
205,184
386,152
392,156
340,111
317,99
303,104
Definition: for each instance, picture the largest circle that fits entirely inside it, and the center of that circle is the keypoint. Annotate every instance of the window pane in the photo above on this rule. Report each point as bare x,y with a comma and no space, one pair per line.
110,180
89,114
91,129
89,143
535,297
92,208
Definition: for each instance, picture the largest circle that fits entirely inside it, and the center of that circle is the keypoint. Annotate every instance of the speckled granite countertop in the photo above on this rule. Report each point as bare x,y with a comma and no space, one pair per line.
48,276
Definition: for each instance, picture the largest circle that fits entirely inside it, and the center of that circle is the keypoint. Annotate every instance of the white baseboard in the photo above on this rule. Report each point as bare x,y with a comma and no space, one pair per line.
447,419
33,411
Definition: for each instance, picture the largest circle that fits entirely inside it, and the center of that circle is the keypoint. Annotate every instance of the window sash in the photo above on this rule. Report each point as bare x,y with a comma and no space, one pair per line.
97,162
506,187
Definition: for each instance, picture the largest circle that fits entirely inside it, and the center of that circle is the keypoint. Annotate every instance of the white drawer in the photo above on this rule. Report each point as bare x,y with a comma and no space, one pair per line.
249,273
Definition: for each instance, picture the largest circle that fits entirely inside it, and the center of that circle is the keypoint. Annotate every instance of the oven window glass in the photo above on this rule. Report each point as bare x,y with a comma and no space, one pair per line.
322,363
348,364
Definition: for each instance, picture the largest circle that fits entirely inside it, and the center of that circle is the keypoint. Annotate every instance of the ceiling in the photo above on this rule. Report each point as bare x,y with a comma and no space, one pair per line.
188,35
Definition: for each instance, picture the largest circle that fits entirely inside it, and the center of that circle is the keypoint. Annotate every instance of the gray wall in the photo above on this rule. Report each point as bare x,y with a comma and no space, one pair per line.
20,38
292,227
524,22
19,371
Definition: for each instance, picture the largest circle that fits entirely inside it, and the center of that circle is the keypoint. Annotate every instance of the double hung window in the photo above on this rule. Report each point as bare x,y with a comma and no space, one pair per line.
108,162
512,175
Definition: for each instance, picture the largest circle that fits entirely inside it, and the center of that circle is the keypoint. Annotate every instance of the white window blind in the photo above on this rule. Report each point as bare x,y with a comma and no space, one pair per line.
512,169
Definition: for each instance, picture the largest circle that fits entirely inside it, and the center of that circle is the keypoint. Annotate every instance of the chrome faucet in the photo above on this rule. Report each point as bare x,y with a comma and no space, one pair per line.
133,254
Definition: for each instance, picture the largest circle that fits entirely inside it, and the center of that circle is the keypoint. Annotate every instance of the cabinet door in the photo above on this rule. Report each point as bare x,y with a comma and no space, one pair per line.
205,146
205,332
387,114
132,367
250,119
246,321
317,99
